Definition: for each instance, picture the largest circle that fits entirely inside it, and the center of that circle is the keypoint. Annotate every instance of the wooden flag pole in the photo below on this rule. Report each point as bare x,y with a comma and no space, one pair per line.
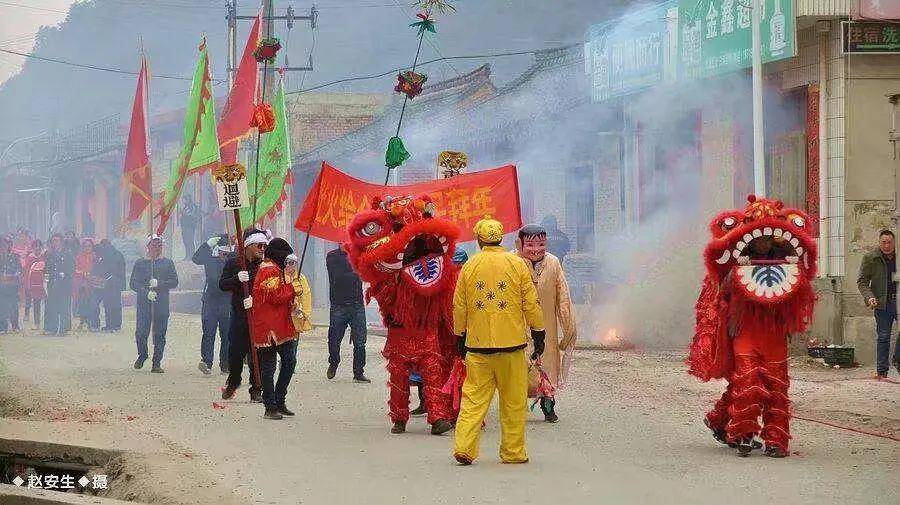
242,263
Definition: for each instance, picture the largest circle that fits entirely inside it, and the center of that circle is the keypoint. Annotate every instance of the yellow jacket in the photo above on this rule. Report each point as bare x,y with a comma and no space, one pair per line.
495,298
301,309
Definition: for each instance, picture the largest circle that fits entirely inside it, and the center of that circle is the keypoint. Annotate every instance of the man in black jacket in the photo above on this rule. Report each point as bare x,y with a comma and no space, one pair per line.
151,280
233,279
346,296
216,310
60,270
110,270
10,280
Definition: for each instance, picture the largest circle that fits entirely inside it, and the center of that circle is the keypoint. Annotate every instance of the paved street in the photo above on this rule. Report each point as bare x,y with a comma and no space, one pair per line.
630,432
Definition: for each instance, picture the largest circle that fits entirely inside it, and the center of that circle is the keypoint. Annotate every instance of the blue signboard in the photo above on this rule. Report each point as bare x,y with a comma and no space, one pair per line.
629,53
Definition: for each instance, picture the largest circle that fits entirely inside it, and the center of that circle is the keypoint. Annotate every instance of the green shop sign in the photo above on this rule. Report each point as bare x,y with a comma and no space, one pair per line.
714,36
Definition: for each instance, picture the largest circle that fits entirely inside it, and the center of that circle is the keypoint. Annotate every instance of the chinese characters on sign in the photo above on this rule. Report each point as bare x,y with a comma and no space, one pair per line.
715,35
62,482
871,38
231,187
628,54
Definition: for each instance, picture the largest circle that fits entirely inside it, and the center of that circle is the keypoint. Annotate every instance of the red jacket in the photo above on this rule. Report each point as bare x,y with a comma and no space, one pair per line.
270,316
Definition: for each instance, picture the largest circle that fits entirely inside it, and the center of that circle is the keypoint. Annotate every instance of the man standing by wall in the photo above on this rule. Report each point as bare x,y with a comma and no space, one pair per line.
878,287
345,293
556,304
494,300
151,279
232,280
60,268
216,310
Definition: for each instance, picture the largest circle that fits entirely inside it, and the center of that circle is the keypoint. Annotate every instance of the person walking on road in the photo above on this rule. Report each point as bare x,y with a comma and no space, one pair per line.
215,313
151,279
877,283
232,280
347,309
60,268
494,304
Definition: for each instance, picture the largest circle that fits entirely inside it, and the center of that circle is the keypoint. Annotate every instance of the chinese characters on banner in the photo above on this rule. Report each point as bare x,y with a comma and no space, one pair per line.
715,35
870,38
336,197
231,187
628,54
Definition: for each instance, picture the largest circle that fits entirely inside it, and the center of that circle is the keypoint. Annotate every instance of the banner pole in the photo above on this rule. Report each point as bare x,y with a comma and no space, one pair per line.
312,219
242,264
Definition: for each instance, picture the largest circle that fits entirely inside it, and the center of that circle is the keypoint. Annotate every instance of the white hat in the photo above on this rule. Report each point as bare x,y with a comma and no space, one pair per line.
292,258
152,237
256,238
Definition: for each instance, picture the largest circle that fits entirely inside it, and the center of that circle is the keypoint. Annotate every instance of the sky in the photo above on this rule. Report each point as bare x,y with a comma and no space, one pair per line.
19,22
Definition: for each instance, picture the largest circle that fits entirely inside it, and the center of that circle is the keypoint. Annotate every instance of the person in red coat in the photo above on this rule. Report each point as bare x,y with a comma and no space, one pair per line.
33,286
272,329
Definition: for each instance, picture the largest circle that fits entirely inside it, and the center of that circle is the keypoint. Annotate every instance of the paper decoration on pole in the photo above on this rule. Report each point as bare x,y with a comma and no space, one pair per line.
410,83
267,50
426,25
231,186
263,118
396,153
441,6
452,163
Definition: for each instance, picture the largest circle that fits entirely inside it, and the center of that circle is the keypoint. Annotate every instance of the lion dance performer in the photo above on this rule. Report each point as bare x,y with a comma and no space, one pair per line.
757,291
405,253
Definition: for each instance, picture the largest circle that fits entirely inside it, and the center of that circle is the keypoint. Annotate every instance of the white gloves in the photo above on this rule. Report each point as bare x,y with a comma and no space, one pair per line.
244,276
248,302
153,283
213,242
152,296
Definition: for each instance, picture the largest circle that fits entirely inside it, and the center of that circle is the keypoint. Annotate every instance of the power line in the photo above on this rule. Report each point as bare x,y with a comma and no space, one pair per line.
94,67
393,71
10,4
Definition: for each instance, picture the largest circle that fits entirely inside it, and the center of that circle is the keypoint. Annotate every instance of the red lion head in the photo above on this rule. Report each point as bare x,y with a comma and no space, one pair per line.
401,240
767,249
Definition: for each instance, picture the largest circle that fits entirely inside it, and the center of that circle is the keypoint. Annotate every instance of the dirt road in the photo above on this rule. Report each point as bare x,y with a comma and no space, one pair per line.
630,432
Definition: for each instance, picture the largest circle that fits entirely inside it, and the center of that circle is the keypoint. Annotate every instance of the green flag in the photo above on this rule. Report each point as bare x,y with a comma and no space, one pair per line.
274,165
200,148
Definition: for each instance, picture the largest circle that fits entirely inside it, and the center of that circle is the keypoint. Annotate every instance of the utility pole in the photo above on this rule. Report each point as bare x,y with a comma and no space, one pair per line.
759,139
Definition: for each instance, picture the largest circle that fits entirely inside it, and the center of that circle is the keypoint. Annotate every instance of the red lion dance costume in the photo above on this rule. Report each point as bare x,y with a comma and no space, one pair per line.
405,253
757,292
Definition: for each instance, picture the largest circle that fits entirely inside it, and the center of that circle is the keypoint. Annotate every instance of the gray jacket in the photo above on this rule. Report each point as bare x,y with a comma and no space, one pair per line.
873,277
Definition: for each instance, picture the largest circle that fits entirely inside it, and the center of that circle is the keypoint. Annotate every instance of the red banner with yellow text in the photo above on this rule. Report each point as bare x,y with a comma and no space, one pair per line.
336,197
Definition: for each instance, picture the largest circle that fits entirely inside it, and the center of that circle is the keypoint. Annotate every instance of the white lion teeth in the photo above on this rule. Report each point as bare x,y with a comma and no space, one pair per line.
767,231
778,232
724,258
795,242
787,235
442,239
799,251
740,247
736,253
757,233
748,238
400,256
446,247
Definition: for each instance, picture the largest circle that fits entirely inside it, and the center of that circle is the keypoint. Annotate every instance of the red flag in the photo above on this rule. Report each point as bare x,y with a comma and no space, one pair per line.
137,176
336,197
235,122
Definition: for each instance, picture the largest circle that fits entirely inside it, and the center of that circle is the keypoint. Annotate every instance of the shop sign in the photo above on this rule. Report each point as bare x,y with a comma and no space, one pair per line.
715,35
627,54
870,37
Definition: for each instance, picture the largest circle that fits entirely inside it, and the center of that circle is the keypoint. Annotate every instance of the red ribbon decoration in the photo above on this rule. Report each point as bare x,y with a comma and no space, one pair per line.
453,386
263,118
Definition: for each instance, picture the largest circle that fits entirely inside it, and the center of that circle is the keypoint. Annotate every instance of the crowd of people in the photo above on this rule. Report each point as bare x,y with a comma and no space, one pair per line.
67,279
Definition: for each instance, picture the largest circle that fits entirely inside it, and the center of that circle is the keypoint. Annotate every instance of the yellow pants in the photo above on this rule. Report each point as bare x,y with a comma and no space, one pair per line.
508,373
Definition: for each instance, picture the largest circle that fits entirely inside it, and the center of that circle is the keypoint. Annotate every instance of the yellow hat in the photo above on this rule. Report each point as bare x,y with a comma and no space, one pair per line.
489,230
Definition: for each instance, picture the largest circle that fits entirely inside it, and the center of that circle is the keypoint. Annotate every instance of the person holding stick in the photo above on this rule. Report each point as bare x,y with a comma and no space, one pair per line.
151,279
233,278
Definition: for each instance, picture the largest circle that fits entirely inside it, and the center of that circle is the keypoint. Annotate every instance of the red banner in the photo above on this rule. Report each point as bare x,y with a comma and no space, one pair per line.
336,197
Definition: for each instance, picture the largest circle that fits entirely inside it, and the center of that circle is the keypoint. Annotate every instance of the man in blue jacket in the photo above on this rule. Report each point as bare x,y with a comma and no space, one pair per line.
216,310
151,279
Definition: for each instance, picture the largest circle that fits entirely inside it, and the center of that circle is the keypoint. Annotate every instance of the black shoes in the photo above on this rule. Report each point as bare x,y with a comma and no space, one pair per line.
203,367
718,434
398,427
421,410
273,414
441,426
157,369
362,379
774,451
139,363
255,395
747,445
418,411
285,411
547,405
228,393
332,369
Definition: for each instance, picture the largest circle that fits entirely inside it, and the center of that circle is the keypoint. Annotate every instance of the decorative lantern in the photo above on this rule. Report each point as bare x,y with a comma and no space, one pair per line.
263,118
410,83
267,49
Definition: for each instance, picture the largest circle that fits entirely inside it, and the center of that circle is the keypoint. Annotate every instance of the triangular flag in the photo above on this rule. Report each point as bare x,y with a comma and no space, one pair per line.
137,174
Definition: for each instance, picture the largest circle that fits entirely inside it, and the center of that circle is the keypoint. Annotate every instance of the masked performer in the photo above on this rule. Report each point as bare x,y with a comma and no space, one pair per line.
556,304
405,253
757,292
